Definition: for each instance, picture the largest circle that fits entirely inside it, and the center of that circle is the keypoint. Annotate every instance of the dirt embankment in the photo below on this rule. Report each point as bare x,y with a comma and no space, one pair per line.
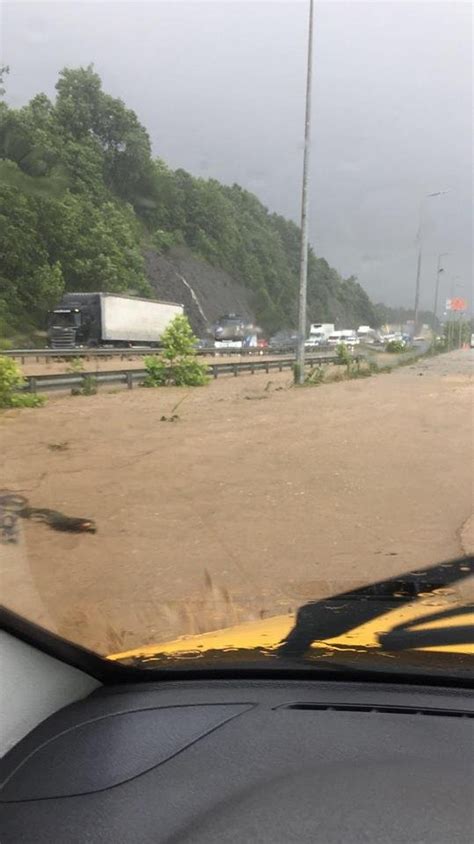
206,292
257,498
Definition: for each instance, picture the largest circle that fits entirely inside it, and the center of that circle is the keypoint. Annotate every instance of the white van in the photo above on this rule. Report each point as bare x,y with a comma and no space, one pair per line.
335,338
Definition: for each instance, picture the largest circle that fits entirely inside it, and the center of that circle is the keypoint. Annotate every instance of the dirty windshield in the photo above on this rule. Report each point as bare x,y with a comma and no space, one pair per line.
236,330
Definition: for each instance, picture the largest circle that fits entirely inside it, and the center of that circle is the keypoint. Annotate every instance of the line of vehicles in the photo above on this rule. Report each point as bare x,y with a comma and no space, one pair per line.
112,320
109,319
324,334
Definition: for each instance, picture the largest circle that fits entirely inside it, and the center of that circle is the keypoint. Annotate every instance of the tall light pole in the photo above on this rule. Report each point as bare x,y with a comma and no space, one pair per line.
439,270
420,251
299,369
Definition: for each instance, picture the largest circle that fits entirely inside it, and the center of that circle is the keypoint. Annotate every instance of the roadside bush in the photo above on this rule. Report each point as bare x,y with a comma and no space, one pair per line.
395,347
27,400
5,344
89,385
439,345
11,380
178,365
315,376
87,388
343,354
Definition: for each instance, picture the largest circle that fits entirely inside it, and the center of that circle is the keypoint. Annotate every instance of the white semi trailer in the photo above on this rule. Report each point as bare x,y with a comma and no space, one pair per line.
109,319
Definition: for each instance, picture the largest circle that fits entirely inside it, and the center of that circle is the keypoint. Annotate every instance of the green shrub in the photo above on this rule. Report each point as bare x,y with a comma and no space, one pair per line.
315,376
88,387
27,400
11,381
5,344
343,354
164,240
178,365
440,345
395,346
156,371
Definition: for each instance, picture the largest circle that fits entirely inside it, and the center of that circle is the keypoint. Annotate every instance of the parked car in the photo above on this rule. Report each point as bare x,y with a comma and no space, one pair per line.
335,338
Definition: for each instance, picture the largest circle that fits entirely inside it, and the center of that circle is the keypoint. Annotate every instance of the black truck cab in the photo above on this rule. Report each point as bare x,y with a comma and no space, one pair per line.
75,321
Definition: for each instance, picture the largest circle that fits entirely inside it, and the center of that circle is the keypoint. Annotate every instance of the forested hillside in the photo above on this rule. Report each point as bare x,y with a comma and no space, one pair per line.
82,198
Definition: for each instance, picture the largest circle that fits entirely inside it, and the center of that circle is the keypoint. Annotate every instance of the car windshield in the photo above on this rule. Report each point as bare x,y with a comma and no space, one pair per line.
195,195
62,319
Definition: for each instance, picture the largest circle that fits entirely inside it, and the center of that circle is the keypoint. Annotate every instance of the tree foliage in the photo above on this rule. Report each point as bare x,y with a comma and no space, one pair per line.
81,193
11,381
178,364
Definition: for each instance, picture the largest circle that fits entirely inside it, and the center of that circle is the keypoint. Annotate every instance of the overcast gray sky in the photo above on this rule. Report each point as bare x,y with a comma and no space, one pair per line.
220,87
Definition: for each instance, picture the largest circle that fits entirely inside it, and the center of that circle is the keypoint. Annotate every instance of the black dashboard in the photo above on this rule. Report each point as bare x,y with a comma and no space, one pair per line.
246,761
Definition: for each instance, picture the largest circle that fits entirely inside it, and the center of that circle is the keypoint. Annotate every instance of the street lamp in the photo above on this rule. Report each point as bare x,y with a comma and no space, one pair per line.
420,250
299,369
439,270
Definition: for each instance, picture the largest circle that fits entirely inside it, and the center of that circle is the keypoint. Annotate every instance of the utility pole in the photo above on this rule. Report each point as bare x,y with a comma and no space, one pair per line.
439,270
420,252
418,270
300,354
460,329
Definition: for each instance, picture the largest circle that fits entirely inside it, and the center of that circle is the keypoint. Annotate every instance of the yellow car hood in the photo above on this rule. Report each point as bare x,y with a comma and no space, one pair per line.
267,635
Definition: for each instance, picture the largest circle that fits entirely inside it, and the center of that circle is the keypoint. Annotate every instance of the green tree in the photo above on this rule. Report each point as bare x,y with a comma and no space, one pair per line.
178,364
4,71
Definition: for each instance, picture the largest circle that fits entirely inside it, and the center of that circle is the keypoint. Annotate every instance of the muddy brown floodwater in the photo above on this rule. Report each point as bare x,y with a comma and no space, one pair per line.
258,497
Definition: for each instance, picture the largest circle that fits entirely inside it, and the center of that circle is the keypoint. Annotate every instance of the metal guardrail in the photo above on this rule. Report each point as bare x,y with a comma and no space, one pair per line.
130,377
62,354
123,354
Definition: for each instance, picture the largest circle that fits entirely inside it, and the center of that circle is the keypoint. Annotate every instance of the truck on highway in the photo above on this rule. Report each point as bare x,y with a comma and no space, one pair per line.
319,333
109,319
234,331
367,335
